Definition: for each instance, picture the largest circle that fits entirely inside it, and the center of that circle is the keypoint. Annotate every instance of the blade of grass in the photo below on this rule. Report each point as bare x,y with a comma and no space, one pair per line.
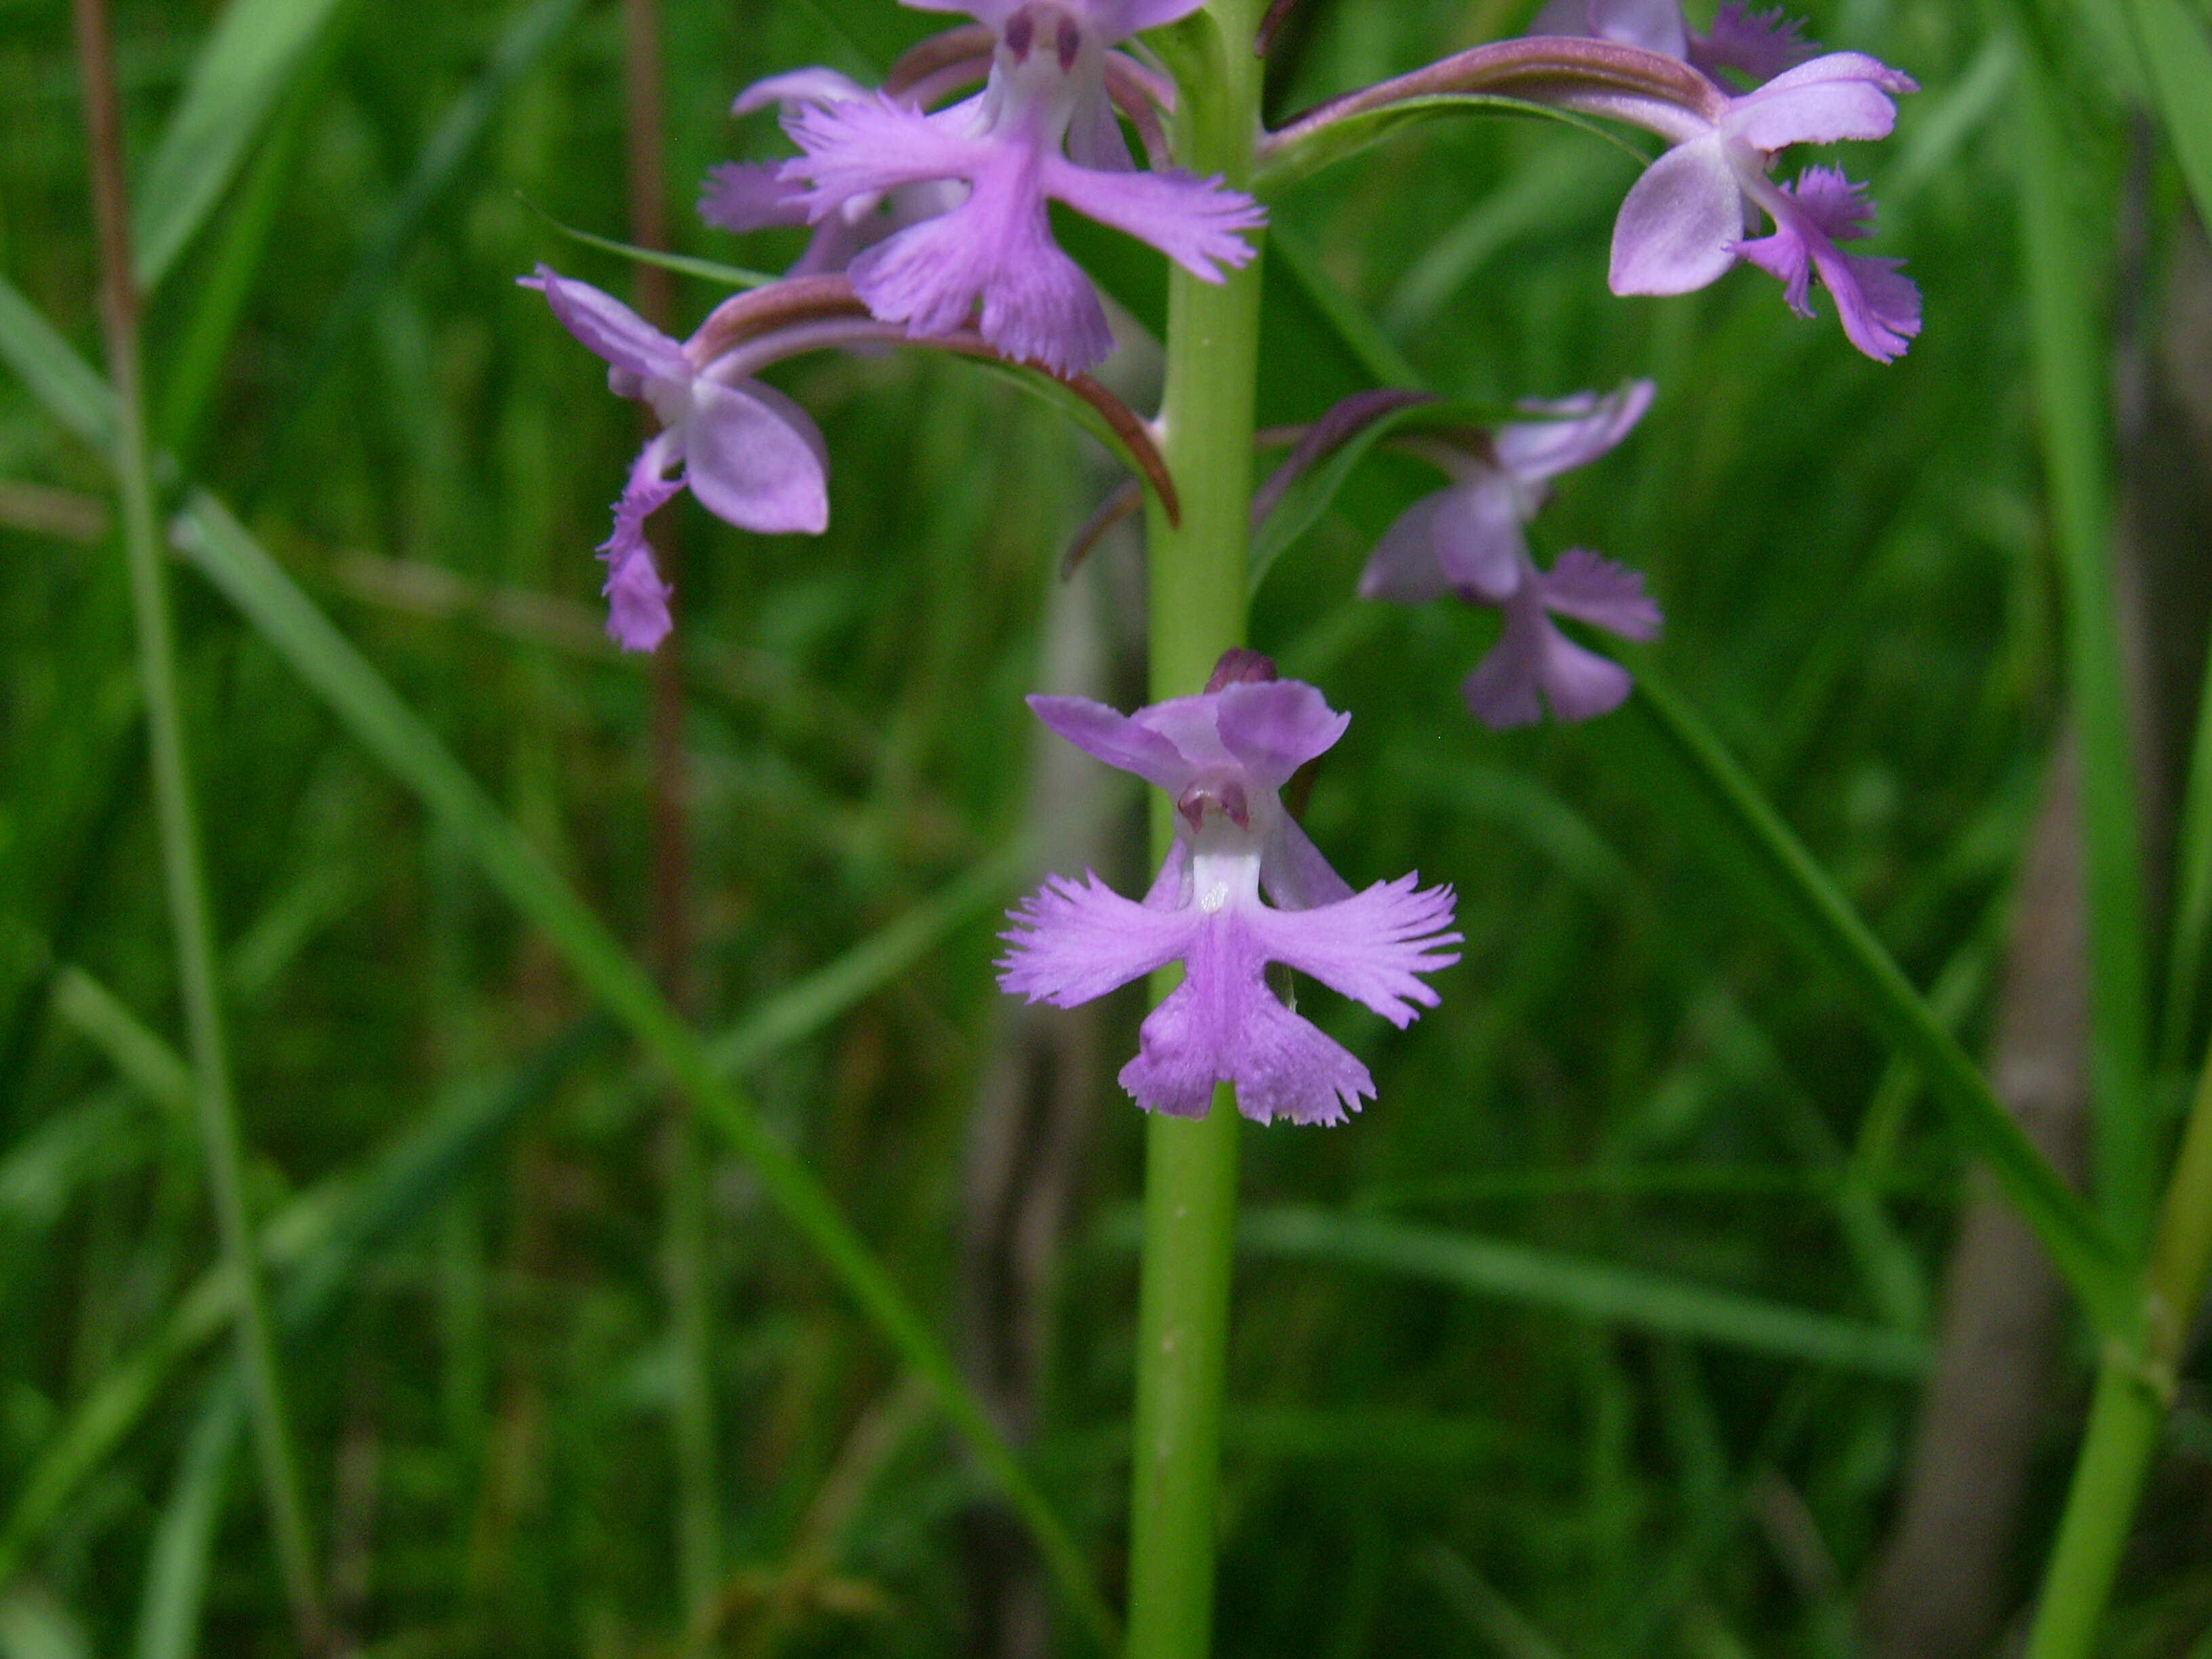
2060,268
1749,840
1590,1290
183,869
220,548
2176,49
235,81
184,1536
327,1234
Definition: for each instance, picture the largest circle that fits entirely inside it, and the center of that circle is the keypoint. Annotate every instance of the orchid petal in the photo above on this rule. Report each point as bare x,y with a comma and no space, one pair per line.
1601,594
1195,221
1587,426
1369,947
1404,566
610,329
1274,727
743,196
1844,95
1678,225
1072,941
1293,873
1108,735
755,459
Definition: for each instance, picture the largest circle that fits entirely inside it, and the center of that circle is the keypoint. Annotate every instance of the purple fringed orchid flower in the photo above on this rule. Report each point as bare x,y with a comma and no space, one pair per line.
750,455
1682,225
1225,756
1758,45
1684,222
1468,539
1044,129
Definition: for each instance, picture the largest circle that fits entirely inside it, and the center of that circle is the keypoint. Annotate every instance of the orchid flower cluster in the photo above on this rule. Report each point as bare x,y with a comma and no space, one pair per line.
928,202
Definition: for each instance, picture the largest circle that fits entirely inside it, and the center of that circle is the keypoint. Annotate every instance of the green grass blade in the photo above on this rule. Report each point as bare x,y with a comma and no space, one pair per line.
219,546
235,83
184,1536
707,271
811,1003
2060,270
60,380
137,1052
2192,905
1587,1289
2177,54
1744,835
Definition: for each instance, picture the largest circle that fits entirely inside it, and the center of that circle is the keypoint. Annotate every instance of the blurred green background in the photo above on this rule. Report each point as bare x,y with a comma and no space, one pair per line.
1601,1333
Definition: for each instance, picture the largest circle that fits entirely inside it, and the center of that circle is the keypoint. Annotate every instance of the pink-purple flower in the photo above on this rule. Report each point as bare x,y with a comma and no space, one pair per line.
1042,130
1223,756
1683,224
1469,539
750,455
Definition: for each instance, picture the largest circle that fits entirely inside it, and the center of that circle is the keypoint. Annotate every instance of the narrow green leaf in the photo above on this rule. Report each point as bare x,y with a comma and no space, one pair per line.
1587,1289
803,1008
137,1052
175,1588
235,83
1742,835
2061,269
33,1625
72,393
708,271
2177,55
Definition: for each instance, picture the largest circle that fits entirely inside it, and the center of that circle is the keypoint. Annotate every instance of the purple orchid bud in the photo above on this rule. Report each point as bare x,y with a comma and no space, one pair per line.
1044,129
749,453
1682,224
1469,539
1225,756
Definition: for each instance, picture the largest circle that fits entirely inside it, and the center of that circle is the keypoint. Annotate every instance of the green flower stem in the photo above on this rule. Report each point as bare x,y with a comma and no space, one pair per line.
1197,607
182,868
2133,1393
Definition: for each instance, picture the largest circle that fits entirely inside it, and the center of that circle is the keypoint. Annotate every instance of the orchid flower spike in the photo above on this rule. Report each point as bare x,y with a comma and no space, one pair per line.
750,455
1225,756
1043,129
1758,45
1682,225
1468,539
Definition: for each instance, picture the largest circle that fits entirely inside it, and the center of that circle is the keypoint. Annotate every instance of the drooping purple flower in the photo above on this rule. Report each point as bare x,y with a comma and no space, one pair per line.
750,455
1225,756
1757,45
1042,130
1469,539
1683,224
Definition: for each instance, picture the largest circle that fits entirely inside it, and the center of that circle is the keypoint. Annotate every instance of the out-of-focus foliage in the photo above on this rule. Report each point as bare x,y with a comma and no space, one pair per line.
1630,1069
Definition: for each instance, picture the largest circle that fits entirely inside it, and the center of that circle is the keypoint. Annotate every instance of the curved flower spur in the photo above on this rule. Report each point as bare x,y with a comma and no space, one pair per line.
751,456
1223,756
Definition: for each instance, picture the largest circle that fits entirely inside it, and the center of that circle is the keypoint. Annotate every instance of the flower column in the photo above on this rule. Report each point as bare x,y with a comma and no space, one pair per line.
1198,591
